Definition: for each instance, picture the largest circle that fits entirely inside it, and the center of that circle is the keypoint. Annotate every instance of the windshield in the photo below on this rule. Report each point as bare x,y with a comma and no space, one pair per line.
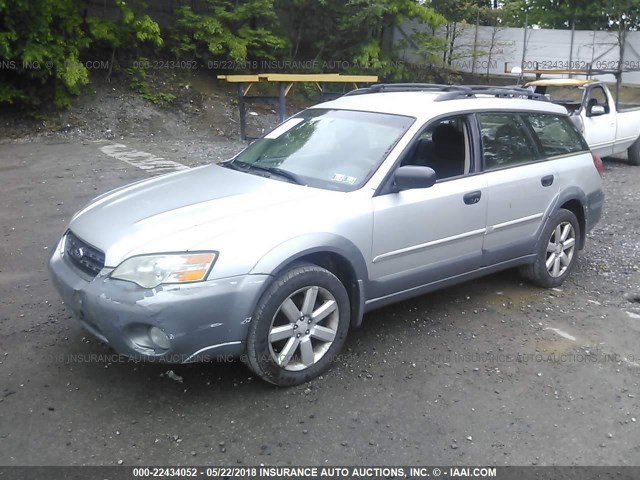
330,149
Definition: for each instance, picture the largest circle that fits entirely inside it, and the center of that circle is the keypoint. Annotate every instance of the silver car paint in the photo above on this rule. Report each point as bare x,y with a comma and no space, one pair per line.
398,244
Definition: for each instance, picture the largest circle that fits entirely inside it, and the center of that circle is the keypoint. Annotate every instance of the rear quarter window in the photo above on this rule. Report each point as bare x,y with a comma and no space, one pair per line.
556,135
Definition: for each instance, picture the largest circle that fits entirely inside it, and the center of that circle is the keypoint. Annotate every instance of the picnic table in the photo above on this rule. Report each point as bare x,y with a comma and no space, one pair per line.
284,82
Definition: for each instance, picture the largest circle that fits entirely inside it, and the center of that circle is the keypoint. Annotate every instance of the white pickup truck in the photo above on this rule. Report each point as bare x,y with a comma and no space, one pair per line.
608,129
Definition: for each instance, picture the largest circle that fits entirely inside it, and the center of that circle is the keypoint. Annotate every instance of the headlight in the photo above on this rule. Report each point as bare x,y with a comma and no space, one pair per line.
149,271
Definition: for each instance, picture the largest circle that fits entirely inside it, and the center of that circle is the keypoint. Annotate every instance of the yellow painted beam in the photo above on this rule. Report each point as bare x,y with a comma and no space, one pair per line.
356,79
239,78
317,77
298,77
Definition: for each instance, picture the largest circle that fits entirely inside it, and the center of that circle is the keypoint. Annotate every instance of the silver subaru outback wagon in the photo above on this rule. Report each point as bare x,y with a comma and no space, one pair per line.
378,196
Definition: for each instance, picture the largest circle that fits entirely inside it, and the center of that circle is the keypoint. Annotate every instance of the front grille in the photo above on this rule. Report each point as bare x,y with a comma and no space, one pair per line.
87,258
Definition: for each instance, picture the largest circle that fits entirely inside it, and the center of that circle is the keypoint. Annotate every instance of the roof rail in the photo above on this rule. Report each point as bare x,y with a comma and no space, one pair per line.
452,92
494,91
405,87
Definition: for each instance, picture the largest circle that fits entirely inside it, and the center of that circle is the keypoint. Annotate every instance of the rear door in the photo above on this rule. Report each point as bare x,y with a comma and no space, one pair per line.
521,185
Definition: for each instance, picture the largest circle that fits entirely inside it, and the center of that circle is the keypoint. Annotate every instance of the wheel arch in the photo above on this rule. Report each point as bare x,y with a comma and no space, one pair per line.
575,200
577,208
332,252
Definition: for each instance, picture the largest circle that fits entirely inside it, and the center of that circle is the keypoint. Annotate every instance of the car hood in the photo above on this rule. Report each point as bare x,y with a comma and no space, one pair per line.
179,211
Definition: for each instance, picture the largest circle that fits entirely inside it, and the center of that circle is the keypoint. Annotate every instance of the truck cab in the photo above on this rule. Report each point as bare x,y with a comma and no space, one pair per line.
609,128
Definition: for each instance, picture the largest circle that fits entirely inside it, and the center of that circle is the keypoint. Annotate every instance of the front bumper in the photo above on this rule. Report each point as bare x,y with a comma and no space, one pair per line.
203,321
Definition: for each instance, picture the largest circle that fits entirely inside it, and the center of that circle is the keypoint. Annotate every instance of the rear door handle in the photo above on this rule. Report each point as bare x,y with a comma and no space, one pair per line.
472,198
547,181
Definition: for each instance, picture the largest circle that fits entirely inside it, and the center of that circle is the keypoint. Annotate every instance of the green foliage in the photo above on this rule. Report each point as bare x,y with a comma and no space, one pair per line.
228,30
582,15
42,43
40,48
367,24
430,46
131,28
139,83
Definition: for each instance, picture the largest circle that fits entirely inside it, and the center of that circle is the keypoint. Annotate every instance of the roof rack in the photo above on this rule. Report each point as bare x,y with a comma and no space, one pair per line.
405,87
451,92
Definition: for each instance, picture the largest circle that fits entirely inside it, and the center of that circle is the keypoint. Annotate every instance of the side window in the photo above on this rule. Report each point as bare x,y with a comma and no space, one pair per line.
556,134
505,141
597,97
443,146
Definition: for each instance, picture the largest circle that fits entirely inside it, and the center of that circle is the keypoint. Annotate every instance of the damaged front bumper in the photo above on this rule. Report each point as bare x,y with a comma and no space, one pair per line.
171,323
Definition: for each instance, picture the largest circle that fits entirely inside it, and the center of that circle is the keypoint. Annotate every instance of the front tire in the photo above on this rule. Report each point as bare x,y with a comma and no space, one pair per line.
633,153
300,324
557,251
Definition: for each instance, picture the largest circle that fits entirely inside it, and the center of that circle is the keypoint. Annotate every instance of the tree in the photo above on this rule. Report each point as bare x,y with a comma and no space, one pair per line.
312,27
40,46
237,30
457,13
365,25
582,15
498,19
352,32
130,29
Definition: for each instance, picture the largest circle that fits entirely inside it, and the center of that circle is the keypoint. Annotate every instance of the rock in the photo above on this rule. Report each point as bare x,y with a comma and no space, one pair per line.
173,376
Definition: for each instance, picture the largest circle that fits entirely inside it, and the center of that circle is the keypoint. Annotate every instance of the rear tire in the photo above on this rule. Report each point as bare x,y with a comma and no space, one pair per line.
633,153
300,324
557,251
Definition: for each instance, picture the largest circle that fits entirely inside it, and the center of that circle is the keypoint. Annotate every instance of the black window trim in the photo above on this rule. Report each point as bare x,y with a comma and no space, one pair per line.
539,154
583,144
386,185
587,96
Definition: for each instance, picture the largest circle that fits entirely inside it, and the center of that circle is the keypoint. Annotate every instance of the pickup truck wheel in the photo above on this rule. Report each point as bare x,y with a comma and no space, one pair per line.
300,324
557,251
633,153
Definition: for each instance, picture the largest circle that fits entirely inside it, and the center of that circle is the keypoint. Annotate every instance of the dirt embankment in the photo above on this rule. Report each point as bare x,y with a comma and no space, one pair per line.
204,108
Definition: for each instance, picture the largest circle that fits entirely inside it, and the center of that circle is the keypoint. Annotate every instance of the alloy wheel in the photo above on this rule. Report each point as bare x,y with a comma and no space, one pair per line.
560,249
303,328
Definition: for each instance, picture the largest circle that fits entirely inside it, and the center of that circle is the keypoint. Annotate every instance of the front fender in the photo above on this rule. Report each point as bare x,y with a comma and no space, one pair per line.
287,252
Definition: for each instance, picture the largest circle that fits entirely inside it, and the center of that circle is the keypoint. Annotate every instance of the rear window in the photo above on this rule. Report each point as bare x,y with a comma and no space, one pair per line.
556,134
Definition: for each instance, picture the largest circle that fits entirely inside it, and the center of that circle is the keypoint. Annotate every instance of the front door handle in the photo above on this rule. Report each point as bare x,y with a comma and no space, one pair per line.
472,198
547,181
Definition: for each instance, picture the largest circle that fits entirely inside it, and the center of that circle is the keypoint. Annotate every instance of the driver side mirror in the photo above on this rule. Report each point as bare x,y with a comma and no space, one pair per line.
597,110
412,176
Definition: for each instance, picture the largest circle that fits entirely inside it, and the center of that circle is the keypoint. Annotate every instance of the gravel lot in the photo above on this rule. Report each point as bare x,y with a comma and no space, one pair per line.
489,372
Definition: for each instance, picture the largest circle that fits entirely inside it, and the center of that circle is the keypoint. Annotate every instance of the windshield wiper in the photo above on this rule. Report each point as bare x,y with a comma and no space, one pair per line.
245,167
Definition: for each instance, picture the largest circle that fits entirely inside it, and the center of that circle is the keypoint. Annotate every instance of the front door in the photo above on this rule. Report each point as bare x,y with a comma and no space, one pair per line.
421,236
599,130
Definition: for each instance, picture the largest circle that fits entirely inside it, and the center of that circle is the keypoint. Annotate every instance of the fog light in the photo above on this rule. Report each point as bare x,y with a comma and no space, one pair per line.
160,338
